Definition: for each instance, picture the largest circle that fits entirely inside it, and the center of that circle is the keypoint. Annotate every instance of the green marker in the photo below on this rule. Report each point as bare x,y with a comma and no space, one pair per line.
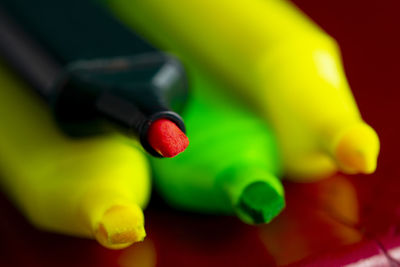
231,165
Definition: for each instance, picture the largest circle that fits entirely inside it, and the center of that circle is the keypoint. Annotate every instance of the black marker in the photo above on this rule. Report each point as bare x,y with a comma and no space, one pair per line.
94,72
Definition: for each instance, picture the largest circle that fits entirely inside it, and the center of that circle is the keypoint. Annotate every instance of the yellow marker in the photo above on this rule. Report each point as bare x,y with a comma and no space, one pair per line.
91,188
288,69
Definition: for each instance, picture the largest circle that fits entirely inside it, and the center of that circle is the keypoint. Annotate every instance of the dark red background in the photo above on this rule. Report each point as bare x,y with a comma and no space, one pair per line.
319,226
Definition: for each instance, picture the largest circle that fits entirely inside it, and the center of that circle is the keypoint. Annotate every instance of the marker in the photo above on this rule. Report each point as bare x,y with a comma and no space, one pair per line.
94,72
94,187
287,69
232,164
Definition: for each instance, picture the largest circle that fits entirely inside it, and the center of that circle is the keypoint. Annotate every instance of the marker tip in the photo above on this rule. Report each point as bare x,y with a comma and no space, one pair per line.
120,227
357,150
166,138
259,203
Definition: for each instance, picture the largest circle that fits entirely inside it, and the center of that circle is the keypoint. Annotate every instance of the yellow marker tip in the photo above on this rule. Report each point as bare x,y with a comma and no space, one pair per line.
357,149
120,227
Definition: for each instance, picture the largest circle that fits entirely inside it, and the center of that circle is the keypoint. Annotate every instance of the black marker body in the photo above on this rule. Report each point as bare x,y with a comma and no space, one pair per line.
92,70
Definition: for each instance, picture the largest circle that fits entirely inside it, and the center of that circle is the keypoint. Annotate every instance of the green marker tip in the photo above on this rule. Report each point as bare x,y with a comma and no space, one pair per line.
259,203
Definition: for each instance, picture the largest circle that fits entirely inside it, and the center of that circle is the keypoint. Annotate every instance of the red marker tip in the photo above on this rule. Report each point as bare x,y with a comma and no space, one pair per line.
166,138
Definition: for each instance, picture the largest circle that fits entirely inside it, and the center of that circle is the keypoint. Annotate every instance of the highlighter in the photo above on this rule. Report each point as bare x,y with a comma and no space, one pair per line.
232,164
96,75
94,187
281,63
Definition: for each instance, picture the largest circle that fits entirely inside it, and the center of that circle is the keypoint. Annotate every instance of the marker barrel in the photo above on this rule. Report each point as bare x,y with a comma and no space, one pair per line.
68,186
231,152
277,60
